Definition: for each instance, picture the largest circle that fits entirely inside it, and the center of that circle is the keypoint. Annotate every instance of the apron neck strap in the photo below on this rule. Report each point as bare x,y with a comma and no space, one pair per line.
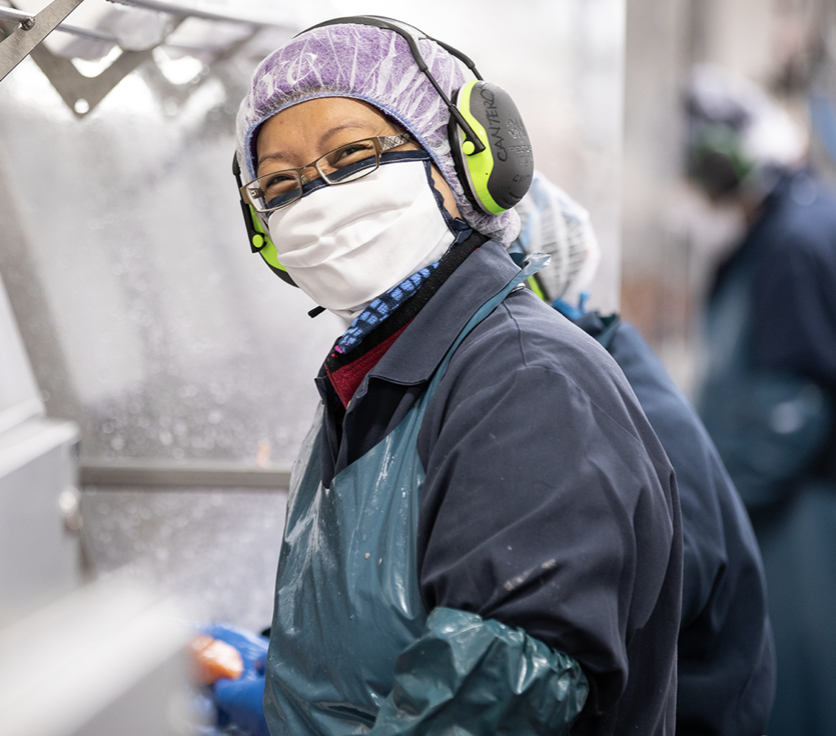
531,265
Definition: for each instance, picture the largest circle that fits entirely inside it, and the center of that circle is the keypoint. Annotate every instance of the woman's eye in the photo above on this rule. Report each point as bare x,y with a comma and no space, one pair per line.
352,153
280,181
349,151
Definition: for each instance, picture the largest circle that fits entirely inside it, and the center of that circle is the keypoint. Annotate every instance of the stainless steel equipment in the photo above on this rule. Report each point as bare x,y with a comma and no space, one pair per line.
76,659
32,30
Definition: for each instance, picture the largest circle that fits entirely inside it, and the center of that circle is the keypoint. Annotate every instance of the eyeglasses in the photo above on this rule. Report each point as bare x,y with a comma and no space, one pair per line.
347,163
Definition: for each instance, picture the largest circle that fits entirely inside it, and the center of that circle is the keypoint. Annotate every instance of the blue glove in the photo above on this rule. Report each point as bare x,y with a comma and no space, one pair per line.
240,702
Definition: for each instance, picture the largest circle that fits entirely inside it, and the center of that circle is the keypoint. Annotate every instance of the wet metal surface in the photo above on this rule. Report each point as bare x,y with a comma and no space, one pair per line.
216,551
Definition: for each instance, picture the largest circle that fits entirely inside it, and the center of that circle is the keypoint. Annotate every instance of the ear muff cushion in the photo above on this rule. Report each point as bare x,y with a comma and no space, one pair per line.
496,179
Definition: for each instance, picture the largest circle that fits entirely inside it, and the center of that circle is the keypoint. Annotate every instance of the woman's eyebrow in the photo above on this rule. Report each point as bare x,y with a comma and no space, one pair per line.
349,124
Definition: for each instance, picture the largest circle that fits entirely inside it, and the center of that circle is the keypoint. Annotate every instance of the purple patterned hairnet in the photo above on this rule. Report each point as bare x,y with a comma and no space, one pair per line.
374,65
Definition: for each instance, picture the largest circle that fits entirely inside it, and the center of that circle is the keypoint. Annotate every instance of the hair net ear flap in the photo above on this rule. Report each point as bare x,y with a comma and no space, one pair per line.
553,223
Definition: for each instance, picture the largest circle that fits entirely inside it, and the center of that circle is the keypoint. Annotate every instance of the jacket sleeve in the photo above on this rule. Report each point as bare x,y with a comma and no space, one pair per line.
550,506
726,659
469,676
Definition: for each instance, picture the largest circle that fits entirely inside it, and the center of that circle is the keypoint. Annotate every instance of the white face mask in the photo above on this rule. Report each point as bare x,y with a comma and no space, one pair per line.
346,245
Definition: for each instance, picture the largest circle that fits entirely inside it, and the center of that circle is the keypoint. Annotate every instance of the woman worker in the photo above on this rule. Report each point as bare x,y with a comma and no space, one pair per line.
446,566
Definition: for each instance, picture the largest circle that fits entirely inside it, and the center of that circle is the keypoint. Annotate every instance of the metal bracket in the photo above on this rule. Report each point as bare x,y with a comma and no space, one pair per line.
81,93
32,30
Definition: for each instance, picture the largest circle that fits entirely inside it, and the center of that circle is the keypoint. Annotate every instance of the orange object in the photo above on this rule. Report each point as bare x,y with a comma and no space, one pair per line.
213,659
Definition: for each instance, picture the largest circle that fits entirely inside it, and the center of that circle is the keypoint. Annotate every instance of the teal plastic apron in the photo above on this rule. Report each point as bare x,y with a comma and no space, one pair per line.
347,596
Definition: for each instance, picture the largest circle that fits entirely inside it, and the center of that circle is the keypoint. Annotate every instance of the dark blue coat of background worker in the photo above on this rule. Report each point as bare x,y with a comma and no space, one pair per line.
767,398
447,565
726,663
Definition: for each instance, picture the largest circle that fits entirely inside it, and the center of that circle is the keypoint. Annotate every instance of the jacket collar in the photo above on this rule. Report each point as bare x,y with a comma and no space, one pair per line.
414,356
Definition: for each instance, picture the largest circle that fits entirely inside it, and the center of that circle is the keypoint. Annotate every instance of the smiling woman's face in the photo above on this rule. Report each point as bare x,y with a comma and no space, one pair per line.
304,132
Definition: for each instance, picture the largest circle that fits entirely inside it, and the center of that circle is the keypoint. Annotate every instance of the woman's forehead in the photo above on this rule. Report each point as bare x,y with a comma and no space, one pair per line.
328,111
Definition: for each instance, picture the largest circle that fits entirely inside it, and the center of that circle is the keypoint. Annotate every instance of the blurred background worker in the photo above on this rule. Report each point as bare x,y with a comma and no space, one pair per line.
726,666
767,397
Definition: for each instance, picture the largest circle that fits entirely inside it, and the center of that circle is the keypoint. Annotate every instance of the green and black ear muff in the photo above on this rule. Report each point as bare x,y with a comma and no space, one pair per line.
496,178
259,239
490,145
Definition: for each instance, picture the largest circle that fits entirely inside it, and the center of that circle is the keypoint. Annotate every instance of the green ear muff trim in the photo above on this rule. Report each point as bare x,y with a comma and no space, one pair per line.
259,240
535,287
265,248
478,166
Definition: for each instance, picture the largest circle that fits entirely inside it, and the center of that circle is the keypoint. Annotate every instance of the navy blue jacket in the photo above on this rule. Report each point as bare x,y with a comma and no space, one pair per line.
726,655
769,401
549,504
789,259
